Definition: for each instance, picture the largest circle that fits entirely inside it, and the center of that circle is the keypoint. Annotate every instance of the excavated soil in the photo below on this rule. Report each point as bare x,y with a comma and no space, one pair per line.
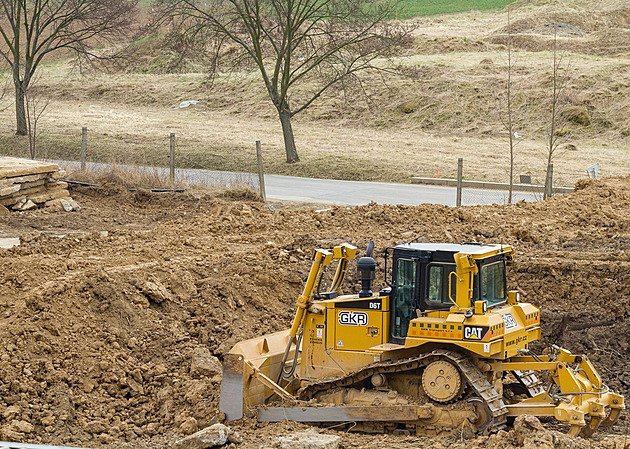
108,315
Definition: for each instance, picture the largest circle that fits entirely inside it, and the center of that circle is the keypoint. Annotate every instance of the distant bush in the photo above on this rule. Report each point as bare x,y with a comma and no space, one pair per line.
409,106
576,114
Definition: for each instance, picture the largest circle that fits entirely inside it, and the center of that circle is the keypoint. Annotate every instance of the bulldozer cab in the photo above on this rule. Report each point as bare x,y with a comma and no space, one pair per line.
425,280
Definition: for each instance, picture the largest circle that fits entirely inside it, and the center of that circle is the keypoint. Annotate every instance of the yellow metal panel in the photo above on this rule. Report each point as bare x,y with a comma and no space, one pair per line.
351,360
524,366
515,341
358,329
313,343
386,316
533,409
319,364
533,334
493,349
330,326
322,356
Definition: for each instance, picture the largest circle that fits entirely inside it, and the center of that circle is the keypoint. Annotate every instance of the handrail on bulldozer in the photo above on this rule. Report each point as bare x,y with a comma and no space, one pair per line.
321,258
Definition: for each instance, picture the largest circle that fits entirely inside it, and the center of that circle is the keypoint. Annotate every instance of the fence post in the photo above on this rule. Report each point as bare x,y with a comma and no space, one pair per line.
83,147
549,182
460,170
261,173
172,159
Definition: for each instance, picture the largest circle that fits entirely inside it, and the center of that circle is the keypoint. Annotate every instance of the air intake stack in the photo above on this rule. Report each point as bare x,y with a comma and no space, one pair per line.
366,267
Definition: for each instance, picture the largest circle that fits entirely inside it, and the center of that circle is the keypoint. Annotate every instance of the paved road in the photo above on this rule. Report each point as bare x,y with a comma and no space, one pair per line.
356,193
330,191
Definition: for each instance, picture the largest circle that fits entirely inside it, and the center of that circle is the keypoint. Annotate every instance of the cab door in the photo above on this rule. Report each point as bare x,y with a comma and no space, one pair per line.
359,323
403,297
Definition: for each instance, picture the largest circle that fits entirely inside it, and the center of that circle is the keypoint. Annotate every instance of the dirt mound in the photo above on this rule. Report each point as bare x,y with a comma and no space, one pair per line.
586,30
110,317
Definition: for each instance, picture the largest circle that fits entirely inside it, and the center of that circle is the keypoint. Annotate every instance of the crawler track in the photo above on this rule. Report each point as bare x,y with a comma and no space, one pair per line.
473,376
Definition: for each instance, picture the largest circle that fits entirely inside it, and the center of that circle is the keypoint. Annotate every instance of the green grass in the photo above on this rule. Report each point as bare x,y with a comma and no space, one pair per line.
413,8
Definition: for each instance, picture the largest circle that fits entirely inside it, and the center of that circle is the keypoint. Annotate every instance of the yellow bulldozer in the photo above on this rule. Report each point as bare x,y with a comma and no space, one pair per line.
444,347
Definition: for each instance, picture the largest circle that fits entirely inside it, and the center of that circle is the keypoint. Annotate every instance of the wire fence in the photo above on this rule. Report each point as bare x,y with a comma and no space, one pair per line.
200,171
180,161
176,164
470,192
472,196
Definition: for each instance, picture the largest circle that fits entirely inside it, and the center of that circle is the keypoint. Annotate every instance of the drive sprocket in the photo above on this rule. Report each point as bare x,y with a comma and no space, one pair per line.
442,381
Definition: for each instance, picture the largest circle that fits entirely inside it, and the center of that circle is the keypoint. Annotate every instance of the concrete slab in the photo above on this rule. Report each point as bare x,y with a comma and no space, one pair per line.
12,166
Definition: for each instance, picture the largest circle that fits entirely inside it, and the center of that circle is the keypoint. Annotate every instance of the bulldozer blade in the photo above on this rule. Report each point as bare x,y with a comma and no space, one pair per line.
231,399
397,413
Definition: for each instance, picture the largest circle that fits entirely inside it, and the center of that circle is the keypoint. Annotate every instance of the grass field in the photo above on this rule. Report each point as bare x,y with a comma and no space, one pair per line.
414,8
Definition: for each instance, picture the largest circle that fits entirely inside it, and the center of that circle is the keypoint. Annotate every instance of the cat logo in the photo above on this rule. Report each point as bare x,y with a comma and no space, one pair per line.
475,332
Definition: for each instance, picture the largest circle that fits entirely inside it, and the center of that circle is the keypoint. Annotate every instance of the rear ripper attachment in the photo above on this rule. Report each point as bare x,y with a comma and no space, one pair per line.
443,347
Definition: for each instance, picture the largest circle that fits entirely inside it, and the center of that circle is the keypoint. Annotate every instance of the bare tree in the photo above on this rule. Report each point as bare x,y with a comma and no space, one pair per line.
508,122
4,89
555,129
32,29
35,108
291,42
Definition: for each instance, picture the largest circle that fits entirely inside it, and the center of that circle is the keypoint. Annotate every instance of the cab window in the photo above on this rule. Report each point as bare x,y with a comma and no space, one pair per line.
493,283
437,286
437,295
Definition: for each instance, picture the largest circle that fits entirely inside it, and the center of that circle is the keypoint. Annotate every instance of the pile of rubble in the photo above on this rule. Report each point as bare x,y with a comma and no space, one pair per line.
26,184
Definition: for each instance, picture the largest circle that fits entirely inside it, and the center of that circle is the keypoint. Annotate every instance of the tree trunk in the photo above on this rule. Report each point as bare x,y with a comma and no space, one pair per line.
511,173
548,180
20,110
287,131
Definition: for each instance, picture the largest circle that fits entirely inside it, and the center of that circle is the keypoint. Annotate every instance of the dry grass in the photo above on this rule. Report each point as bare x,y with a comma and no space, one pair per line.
342,152
454,79
116,179
123,177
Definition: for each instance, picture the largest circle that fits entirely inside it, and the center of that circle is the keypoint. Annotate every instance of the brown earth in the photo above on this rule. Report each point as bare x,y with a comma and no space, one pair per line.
103,311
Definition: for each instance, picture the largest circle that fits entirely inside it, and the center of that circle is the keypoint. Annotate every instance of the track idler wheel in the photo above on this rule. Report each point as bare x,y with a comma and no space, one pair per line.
442,381
483,414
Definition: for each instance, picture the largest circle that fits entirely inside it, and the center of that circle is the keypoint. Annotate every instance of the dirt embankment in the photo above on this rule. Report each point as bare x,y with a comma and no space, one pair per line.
108,315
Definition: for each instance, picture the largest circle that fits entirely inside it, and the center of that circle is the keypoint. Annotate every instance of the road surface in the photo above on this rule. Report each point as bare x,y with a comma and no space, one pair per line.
355,193
331,191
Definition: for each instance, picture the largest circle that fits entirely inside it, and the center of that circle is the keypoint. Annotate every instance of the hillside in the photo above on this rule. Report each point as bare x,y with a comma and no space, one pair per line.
446,101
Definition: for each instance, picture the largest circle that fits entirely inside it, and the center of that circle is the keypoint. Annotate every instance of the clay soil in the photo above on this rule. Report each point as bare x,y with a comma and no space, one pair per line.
102,310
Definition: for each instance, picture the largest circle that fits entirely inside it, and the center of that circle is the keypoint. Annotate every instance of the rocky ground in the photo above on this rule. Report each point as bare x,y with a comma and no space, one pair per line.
111,317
